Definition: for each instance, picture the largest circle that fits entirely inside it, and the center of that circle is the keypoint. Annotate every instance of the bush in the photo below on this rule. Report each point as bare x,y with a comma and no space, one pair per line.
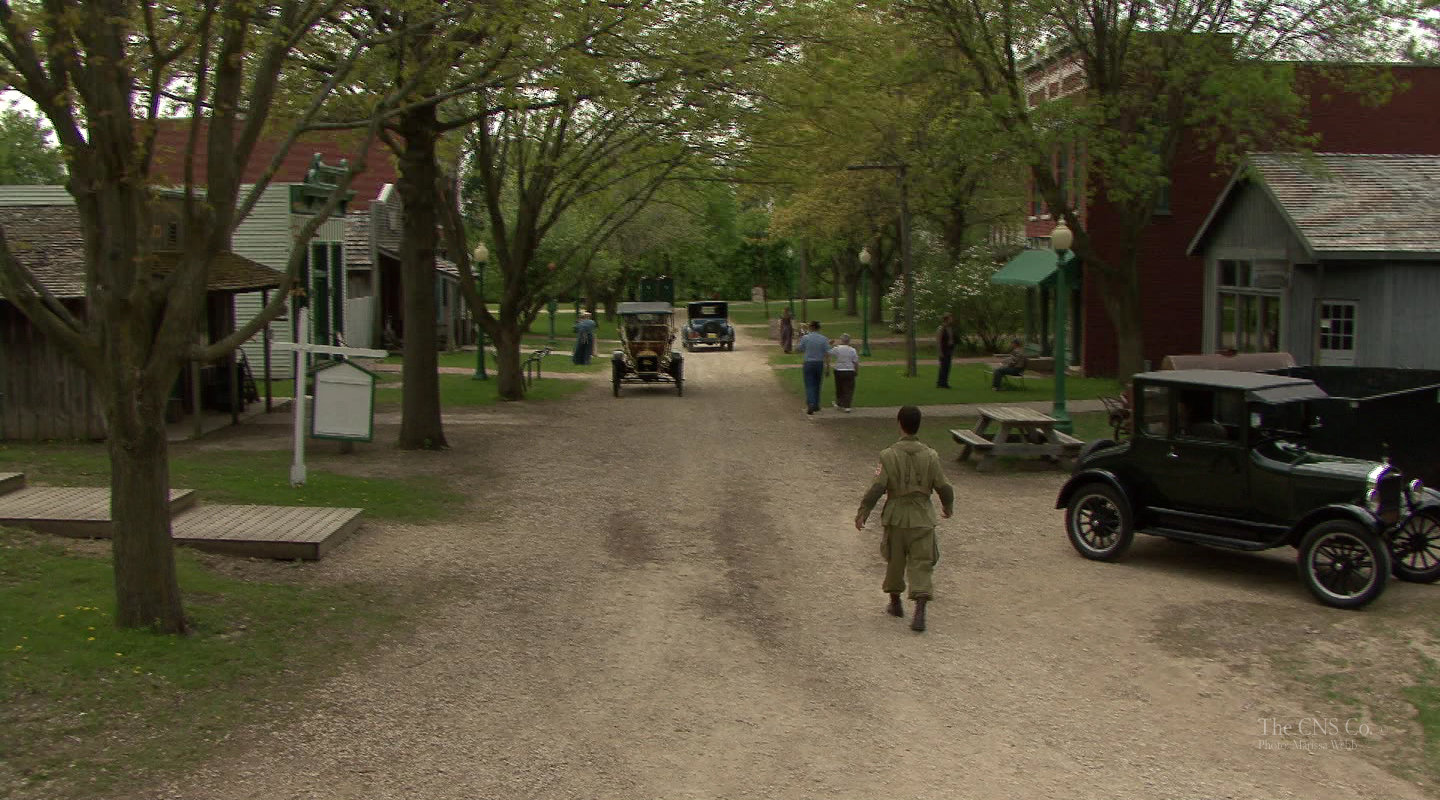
985,313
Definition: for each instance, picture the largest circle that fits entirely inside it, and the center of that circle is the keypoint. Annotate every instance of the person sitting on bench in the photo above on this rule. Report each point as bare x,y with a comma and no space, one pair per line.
1014,364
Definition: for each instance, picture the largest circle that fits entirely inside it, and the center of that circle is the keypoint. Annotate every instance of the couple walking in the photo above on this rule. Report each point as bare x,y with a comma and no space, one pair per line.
818,353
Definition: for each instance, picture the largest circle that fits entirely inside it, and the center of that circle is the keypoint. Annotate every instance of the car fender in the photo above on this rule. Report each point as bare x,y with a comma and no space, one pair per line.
1334,511
1090,476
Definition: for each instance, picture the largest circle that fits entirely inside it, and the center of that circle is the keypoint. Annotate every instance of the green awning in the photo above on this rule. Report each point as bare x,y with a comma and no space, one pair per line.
1029,268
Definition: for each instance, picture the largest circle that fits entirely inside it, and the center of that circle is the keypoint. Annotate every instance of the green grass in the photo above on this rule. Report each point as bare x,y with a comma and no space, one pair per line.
464,390
924,351
748,313
247,477
888,386
557,361
86,708
1425,697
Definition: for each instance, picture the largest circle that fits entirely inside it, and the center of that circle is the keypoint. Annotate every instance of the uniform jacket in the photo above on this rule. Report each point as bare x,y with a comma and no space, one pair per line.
909,471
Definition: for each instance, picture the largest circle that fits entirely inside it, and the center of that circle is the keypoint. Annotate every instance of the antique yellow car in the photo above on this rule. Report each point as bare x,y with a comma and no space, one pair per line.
646,355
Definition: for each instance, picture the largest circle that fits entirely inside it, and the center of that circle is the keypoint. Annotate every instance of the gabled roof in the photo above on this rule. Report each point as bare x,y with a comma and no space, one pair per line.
1345,205
47,241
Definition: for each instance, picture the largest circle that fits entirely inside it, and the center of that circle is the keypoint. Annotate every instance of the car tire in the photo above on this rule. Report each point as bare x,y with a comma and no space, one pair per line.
1415,548
1099,522
1093,445
617,371
1343,564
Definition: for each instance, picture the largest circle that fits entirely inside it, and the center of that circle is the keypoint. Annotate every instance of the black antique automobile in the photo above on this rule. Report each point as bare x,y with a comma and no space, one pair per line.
1221,458
709,324
646,331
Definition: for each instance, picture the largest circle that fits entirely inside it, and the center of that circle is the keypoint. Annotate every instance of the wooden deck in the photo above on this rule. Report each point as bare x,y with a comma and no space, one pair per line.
70,511
10,481
288,532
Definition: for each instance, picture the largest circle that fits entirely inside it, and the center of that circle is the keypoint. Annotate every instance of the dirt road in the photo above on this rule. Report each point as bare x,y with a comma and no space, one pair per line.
662,597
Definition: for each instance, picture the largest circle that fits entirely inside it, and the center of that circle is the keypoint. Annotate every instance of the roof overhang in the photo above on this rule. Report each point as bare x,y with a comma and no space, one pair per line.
1030,268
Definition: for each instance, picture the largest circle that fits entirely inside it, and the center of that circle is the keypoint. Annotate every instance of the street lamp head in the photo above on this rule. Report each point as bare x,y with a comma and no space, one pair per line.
1061,238
481,253
865,256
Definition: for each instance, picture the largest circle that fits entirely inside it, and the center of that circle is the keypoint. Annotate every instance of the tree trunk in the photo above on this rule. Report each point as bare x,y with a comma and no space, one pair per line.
852,293
510,380
877,294
421,427
147,594
835,285
1122,304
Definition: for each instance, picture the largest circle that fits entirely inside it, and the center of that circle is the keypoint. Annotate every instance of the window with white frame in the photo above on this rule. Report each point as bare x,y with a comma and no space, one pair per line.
1247,317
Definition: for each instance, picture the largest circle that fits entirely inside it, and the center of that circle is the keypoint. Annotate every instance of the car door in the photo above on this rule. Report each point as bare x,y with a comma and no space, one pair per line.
1204,471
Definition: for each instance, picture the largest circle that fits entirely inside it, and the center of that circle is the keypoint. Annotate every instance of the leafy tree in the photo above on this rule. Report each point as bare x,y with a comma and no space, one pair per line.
961,286
26,155
661,106
1152,74
101,72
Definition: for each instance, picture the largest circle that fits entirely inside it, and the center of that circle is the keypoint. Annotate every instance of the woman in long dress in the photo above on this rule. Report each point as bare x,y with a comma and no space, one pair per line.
787,330
584,338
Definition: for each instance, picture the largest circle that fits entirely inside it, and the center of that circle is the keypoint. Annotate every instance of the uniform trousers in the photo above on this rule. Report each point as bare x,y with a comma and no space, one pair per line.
910,554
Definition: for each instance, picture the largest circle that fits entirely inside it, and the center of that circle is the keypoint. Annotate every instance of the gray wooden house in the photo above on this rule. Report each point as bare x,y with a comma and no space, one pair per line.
45,395
372,246
1333,257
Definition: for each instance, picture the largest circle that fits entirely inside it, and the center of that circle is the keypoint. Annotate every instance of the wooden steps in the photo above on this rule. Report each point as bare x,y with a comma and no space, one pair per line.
287,532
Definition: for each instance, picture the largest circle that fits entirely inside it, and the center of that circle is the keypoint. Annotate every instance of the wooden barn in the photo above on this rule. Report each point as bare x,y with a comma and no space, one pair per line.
44,395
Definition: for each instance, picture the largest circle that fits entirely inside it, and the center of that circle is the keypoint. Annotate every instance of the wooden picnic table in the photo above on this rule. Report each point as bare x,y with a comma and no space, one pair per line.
1015,431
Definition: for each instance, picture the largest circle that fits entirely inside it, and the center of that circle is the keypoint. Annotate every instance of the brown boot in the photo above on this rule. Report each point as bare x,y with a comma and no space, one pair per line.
917,622
895,609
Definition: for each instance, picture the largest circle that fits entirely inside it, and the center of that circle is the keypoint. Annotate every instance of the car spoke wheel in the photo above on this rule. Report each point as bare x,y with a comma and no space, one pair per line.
1415,548
1343,564
1099,522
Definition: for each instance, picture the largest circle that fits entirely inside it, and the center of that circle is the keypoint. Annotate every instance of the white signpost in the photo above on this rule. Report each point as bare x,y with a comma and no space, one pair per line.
302,369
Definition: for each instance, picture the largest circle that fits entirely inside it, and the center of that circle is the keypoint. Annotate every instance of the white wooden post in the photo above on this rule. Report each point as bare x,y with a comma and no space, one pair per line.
302,363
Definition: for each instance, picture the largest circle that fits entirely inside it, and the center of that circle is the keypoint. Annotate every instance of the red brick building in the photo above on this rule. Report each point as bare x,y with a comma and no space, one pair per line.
1172,284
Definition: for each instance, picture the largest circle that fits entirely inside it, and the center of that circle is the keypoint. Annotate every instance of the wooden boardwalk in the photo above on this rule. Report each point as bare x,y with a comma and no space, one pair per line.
70,511
288,532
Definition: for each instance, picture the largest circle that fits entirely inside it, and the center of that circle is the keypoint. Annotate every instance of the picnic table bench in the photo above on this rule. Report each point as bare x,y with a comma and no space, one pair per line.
1014,431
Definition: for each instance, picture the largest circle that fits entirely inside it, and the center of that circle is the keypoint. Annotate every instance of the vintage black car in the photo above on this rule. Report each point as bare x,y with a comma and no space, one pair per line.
1220,458
647,330
709,324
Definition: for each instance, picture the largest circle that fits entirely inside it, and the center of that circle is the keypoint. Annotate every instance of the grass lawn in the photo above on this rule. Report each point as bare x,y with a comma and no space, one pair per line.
246,477
748,313
888,386
557,361
86,709
464,390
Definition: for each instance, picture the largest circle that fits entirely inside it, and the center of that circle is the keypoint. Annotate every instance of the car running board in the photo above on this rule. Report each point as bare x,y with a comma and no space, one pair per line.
1207,538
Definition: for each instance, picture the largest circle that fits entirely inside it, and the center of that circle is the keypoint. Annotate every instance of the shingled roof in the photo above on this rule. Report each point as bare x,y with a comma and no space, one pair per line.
47,241
1349,205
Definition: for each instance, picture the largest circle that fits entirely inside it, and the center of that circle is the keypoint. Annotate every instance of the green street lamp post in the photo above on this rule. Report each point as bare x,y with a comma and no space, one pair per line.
1060,239
480,256
865,303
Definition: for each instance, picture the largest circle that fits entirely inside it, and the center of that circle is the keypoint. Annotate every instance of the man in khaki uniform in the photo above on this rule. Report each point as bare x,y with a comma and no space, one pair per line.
908,472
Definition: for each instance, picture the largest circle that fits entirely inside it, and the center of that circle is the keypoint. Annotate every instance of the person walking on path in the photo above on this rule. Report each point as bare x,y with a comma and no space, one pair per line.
787,330
846,363
945,346
1014,364
584,338
815,347
908,472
